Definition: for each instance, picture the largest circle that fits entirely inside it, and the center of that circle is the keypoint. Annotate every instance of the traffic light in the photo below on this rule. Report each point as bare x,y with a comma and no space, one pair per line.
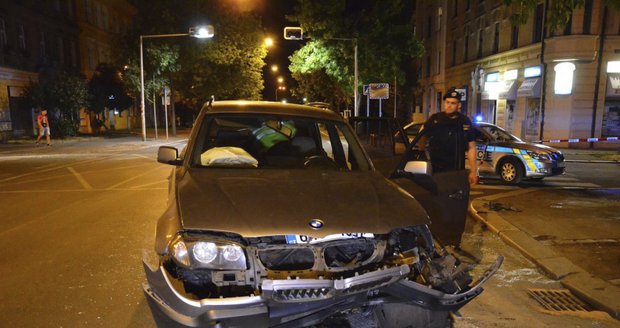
293,33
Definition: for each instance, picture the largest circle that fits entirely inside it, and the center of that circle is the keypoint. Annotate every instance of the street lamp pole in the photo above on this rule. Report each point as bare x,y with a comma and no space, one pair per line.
202,32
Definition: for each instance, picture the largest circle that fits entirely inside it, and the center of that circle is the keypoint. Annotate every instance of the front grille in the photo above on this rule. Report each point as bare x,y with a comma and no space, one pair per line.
287,258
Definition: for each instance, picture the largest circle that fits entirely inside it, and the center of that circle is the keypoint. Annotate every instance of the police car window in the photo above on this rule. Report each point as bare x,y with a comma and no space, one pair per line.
480,136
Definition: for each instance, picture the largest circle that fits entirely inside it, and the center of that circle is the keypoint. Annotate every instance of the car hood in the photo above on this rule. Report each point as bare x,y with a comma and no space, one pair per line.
528,146
256,203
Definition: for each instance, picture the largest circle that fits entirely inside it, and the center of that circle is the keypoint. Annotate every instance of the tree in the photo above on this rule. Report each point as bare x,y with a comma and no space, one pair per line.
383,32
227,66
107,90
63,95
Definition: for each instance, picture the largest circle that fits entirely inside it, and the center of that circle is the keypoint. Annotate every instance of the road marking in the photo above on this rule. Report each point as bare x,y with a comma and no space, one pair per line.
137,176
496,187
79,177
150,184
46,170
74,190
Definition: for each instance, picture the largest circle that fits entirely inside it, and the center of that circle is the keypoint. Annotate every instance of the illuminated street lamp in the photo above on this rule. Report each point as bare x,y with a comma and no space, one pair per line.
274,68
282,88
268,42
280,79
200,32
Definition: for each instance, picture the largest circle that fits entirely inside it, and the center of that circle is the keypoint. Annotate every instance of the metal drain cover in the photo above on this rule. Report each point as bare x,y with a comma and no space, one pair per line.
558,300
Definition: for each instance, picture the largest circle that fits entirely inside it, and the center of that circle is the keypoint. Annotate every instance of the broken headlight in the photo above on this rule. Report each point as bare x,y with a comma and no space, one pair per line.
208,254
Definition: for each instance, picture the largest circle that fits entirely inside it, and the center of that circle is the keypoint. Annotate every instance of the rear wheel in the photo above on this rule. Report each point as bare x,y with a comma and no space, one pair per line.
511,171
400,315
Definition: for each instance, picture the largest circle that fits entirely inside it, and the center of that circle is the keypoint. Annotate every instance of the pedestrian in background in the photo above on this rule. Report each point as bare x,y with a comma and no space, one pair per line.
451,135
44,127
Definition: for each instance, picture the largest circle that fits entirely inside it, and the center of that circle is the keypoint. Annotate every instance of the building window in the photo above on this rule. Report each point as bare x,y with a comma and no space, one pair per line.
466,49
587,16
429,26
533,71
88,7
73,54
455,8
538,23
428,66
453,53
479,53
3,40
514,37
438,62
21,37
568,29
42,52
563,78
61,49
496,39
467,5
439,15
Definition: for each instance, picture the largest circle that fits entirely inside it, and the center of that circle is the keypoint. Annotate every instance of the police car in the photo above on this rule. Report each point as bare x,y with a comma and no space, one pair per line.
501,154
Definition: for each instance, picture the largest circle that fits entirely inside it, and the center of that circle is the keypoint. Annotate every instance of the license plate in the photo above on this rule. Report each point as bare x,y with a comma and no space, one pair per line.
303,239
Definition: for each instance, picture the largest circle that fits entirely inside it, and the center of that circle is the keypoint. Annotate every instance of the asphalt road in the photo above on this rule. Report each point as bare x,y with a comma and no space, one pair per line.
76,220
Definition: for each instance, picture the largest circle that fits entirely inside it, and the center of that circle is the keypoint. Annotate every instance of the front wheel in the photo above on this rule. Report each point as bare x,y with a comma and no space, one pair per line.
511,171
404,315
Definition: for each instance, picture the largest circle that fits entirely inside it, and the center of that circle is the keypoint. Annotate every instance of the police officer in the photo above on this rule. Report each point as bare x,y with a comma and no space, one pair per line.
450,135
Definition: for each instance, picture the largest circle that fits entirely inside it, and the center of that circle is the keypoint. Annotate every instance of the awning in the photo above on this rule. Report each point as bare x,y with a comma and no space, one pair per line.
613,85
509,92
499,90
529,88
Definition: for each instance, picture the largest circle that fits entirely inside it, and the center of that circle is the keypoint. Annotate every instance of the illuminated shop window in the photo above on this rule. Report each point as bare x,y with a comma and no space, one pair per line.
564,78
533,71
511,75
492,77
613,67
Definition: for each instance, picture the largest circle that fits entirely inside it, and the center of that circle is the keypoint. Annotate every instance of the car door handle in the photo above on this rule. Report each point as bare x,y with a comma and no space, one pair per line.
457,195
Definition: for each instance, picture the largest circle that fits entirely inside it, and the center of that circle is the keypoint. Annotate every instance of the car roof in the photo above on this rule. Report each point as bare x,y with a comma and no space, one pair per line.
270,108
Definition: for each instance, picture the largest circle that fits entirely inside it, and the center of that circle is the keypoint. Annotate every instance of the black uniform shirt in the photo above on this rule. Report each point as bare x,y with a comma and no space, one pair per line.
448,140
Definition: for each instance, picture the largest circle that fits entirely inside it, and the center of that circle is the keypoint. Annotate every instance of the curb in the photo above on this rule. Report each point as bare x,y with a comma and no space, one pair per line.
595,291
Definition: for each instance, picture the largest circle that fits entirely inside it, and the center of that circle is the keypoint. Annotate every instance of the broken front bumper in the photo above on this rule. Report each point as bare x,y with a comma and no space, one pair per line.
301,302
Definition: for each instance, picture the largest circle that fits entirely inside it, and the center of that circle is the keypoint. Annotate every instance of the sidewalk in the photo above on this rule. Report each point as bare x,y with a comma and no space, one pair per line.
111,141
557,228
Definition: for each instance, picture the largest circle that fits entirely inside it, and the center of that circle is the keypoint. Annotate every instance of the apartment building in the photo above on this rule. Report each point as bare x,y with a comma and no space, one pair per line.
36,37
537,83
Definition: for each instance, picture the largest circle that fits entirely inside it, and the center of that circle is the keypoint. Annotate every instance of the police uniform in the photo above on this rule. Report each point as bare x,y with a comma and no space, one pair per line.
448,138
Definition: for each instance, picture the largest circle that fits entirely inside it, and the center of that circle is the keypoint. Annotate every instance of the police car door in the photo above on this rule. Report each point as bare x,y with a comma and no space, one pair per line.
444,195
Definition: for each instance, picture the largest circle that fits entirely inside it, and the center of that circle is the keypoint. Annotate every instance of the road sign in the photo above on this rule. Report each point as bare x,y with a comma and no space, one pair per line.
379,91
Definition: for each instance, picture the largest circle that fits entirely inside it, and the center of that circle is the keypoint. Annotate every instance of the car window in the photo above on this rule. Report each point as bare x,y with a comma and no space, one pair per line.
267,142
480,136
498,134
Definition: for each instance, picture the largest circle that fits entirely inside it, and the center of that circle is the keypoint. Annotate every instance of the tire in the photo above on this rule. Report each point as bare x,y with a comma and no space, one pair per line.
403,315
511,171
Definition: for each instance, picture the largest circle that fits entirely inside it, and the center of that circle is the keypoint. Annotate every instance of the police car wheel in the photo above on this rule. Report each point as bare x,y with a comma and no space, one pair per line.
511,171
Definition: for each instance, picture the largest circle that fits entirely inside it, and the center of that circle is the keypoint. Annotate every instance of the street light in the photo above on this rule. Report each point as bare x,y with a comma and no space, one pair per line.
268,42
200,32
274,68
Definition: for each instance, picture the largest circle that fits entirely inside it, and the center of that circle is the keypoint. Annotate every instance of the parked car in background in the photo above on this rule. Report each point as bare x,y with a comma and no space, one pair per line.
277,217
503,155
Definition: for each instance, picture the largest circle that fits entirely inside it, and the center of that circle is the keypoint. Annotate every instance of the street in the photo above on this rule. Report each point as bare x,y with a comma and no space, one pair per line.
77,218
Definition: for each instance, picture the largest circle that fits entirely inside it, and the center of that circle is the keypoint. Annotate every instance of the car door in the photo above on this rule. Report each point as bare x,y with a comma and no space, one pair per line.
485,146
444,196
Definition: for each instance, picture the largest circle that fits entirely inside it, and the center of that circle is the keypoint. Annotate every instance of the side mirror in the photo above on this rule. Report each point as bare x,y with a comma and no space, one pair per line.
419,167
168,155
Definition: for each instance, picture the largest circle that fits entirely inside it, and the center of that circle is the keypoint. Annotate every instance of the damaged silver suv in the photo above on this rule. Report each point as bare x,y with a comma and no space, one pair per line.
277,218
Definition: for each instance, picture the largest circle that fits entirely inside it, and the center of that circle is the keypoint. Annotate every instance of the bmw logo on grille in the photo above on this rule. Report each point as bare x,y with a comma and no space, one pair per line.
316,224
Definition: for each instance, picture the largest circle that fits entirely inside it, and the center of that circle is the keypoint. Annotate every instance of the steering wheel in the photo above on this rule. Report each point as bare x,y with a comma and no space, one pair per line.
320,161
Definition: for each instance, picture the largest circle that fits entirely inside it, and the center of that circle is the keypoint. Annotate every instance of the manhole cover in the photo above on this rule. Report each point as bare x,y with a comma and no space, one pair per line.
558,300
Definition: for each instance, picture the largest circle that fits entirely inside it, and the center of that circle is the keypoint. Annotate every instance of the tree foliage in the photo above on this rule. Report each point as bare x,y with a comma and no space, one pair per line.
63,95
107,89
382,30
227,66
559,12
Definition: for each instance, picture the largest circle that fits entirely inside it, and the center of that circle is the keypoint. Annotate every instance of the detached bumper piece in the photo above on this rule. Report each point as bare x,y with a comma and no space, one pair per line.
302,302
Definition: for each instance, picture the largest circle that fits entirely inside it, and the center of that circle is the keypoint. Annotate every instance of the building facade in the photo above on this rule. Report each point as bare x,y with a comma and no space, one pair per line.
536,83
36,37
101,24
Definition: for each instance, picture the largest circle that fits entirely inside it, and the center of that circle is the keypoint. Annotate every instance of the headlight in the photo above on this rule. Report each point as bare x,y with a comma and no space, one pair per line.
539,156
208,254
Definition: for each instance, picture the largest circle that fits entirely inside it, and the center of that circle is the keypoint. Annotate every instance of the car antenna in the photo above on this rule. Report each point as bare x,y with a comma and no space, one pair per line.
210,102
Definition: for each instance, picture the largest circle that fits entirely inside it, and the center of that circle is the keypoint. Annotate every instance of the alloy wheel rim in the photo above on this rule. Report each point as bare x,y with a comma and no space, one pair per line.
508,172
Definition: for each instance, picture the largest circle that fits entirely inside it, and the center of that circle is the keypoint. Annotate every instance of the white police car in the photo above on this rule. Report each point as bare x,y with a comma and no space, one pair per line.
501,154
